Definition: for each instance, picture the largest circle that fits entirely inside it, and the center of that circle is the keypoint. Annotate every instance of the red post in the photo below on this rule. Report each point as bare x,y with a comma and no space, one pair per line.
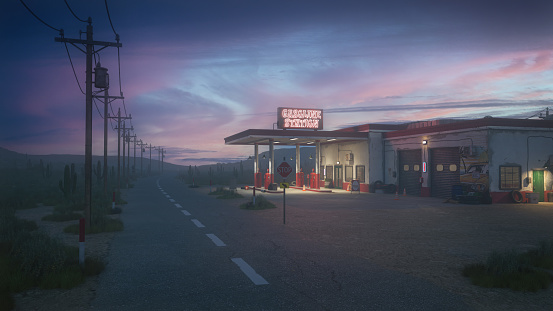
81,241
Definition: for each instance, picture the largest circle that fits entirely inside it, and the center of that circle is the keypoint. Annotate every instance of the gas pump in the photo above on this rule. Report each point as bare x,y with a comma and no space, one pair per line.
268,179
299,178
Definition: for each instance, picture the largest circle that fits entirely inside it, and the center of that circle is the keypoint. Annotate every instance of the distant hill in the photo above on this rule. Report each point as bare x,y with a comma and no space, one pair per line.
11,159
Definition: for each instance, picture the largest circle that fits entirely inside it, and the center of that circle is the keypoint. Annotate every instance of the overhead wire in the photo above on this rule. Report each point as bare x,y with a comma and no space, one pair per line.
70,10
109,18
73,67
98,109
36,16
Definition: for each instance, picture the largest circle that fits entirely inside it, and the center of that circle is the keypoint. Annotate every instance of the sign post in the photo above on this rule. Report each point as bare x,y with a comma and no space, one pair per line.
284,169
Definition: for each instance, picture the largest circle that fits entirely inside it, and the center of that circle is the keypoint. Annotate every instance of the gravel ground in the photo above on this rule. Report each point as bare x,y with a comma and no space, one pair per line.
423,237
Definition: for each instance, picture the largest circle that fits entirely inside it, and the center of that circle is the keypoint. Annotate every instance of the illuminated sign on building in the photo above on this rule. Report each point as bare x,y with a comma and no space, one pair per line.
294,118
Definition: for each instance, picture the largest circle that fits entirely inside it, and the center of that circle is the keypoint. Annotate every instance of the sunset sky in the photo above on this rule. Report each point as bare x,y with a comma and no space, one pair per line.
195,72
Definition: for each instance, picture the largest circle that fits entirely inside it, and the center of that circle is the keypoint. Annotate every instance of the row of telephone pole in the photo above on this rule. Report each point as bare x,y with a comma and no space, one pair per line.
101,82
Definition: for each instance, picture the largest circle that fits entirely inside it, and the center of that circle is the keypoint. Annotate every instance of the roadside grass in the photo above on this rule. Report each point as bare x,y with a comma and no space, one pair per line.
30,258
99,225
225,194
260,203
511,269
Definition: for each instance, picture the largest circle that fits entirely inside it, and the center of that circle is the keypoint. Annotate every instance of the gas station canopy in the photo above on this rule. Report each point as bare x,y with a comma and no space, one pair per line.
292,137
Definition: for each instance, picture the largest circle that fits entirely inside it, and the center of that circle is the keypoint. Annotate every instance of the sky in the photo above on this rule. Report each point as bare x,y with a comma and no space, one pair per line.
195,72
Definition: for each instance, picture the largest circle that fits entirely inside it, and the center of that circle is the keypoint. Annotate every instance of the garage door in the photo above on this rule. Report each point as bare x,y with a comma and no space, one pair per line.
444,171
410,171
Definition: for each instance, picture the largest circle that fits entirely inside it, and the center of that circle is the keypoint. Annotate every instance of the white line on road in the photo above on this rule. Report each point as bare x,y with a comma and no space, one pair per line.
249,271
215,239
198,223
167,196
171,200
178,205
185,212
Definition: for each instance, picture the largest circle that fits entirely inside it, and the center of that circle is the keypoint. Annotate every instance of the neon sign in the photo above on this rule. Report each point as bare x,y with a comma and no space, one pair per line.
294,118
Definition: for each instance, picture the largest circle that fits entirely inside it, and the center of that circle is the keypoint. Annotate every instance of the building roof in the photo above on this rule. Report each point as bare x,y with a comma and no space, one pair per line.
292,137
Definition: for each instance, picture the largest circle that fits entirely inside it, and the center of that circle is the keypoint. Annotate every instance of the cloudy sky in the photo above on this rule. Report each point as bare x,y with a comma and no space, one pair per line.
195,72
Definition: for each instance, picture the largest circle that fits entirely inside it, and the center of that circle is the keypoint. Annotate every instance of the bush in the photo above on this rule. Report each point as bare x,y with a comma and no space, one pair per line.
508,269
260,203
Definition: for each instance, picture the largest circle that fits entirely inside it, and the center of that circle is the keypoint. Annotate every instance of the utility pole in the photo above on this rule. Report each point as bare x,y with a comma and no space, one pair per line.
134,157
142,149
163,151
106,99
90,43
119,128
150,167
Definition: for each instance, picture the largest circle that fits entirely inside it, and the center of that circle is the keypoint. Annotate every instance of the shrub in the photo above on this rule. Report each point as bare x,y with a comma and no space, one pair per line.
38,254
260,203
508,269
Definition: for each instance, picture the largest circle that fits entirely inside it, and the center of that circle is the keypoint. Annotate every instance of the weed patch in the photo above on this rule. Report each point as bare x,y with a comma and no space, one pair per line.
260,203
512,270
106,224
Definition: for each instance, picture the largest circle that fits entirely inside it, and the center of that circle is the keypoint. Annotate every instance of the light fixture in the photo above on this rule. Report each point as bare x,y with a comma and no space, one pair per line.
263,156
291,158
332,139
309,142
337,162
424,142
311,157
294,138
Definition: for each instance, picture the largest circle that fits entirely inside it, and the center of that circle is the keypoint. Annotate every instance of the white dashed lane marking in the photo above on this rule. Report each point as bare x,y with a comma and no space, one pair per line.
215,239
198,223
249,272
185,212
171,200
178,205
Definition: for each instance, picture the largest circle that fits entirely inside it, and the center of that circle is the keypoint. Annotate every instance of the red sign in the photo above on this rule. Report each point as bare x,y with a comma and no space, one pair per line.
284,169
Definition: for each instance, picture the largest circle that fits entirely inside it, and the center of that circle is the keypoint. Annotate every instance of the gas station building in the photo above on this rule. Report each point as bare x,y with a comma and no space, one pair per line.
492,159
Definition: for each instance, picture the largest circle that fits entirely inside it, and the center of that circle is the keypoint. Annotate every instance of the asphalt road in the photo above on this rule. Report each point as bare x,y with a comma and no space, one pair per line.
184,250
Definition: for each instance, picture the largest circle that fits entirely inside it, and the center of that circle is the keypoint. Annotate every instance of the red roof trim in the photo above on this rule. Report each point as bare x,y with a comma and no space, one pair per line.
472,124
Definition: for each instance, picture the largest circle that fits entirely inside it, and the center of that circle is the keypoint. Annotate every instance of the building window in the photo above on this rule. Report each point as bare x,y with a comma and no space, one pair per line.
510,177
406,167
453,167
439,167
321,173
360,173
416,168
349,173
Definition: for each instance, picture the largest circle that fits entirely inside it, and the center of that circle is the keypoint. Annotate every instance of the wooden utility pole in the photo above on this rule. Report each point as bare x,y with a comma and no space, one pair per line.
89,43
142,149
119,128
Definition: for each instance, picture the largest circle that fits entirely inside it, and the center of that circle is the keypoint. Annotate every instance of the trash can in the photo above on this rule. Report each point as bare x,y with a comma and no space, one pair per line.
533,198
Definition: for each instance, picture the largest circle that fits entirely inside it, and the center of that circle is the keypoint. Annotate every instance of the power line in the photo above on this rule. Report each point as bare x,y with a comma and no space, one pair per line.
74,73
28,9
96,104
74,12
109,17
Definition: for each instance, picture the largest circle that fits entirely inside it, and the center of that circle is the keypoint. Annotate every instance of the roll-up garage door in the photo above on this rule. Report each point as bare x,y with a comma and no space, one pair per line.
444,171
410,171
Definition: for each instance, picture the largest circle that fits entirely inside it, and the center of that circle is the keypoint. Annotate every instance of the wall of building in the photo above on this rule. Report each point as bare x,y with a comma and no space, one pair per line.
332,153
472,144
529,149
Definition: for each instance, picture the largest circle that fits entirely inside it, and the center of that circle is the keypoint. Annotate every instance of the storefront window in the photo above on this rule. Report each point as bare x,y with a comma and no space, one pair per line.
360,173
329,172
321,172
349,173
510,177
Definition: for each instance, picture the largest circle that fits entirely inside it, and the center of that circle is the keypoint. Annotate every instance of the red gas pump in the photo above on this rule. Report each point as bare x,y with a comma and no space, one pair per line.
268,179
299,178
258,180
